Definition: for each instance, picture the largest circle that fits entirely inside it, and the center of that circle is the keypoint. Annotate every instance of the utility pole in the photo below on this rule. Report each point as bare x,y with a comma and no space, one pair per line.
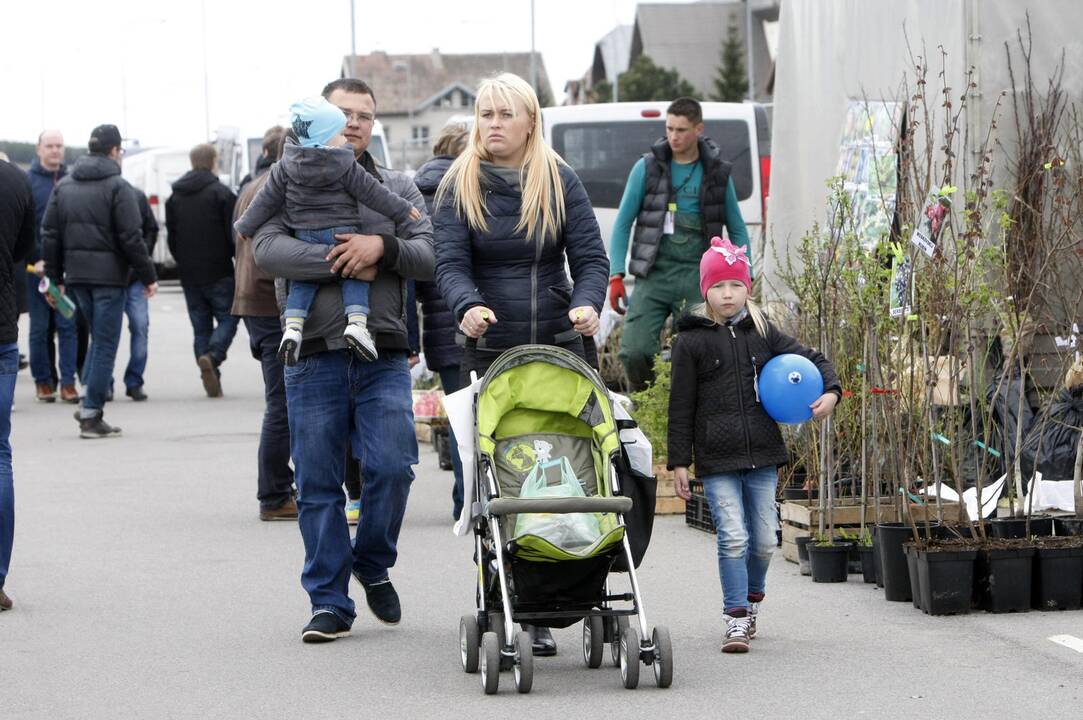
353,35
206,90
748,51
533,61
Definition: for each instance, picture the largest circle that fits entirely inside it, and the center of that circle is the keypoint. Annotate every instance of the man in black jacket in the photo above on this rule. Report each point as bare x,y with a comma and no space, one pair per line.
199,229
92,237
16,241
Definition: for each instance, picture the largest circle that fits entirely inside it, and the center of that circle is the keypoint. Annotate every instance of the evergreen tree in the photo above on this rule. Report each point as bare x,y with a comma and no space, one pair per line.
731,80
646,81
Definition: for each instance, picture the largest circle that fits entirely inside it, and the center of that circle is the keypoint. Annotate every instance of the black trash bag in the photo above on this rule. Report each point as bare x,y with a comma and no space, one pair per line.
1051,444
639,521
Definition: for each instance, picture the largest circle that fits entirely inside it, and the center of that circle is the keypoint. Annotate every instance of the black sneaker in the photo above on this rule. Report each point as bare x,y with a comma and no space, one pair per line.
96,428
136,393
382,600
544,645
324,627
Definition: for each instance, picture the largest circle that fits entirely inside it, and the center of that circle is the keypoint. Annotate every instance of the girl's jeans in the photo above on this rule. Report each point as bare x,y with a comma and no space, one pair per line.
742,504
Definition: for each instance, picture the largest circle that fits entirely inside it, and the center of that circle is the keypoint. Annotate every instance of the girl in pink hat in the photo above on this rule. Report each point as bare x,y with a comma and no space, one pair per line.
717,422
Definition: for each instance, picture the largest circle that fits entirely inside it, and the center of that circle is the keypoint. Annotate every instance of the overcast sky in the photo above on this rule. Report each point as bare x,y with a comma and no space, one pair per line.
139,63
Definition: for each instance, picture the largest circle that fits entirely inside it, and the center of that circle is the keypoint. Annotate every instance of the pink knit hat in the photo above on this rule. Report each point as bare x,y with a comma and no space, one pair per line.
723,261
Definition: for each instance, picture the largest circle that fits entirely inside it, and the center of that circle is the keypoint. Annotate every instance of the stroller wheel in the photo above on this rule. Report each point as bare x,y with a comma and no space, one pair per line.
524,661
490,663
629,657
621,623
469,639
663,657
593,640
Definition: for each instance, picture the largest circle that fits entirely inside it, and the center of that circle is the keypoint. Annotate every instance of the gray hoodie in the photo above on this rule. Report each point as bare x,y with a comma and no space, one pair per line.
319,187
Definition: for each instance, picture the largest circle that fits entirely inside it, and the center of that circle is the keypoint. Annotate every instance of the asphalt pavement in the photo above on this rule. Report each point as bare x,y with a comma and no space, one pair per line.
146,587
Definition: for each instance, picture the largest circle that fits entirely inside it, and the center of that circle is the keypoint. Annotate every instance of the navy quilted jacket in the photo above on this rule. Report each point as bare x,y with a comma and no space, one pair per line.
525,284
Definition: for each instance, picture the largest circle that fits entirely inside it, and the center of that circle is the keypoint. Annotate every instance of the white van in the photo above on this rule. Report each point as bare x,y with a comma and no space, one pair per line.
154,171
601,143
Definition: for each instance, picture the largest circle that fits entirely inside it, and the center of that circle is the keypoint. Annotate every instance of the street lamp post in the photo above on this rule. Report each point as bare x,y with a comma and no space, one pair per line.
409,136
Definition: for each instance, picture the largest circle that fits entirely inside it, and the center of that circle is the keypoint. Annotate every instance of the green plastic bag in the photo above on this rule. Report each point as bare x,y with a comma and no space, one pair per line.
569,531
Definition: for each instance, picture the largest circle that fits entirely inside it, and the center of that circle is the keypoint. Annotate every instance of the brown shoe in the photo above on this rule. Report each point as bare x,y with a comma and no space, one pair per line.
69,394
46,393
209,374
5,601
285,511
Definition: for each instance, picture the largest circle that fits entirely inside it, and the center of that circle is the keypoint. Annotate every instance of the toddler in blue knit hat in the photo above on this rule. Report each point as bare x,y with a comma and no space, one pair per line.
318,184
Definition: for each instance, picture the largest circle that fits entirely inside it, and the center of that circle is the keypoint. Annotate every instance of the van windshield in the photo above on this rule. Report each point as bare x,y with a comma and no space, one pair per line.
377,150
602,154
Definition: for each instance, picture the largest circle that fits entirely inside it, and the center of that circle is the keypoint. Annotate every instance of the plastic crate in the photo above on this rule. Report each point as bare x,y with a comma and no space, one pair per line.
696,512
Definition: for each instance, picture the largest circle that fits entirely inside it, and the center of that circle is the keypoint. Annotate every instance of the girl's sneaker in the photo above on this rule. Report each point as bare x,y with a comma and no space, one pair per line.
353,511
753,611
360,342
287,349
735,639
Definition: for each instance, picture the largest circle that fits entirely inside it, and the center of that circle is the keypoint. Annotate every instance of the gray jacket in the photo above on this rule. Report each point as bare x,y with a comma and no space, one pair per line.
319,187
408,253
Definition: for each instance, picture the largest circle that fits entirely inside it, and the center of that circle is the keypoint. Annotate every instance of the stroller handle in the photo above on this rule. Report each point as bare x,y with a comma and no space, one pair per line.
559,506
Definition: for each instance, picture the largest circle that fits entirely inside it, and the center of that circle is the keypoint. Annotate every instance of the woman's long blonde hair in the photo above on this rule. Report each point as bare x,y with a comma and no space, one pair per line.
542,212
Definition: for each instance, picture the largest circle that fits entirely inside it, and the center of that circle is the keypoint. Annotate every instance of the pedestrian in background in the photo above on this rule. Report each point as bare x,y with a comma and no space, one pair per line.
717,422
137,309
442,353
199,230
16,241
92,237
254,302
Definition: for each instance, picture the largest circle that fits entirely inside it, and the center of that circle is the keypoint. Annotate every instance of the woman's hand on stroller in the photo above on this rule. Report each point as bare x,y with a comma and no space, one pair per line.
476,321
680,483
585,320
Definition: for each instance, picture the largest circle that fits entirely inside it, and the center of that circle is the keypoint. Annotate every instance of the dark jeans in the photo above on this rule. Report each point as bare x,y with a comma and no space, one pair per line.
449,380
330,394
103,308
138,312
212,325
275,476
41,364
9,367
355,293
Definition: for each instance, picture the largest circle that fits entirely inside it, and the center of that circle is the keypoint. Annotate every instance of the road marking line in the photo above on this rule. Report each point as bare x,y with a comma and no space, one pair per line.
1068,641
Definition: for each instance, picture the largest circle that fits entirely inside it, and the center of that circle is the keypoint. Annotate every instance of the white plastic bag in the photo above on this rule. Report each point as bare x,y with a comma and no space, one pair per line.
569,531
636,444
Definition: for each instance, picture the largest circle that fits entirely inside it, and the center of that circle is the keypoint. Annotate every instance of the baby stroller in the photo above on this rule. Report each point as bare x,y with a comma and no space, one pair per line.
549,525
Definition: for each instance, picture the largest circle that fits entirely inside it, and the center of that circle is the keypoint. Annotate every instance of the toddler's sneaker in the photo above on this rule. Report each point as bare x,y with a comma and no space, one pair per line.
735,639
360,342
287,349
353,511
753,611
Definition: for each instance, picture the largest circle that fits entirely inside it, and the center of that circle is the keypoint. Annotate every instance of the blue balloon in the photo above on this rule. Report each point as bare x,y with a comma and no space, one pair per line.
788,385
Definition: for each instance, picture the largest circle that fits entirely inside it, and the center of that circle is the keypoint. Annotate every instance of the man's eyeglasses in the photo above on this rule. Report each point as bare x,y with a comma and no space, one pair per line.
358,117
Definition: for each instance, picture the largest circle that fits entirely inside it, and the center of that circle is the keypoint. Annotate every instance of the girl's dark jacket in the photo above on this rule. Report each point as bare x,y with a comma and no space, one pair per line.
715,418
523,282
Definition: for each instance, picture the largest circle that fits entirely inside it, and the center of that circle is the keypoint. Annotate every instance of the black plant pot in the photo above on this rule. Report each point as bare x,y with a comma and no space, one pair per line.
1058,578
1002,577
946,577
1068,526
802,554
828,562
868,563
910,550
799,493
1017,527
876,566
896,575
853,560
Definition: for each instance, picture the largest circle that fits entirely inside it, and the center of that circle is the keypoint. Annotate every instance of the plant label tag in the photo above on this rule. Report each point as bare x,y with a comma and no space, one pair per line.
923,243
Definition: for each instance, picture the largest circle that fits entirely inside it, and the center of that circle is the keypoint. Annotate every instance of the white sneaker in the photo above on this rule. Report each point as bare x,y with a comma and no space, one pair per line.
753,611
287,349
360,342
735,639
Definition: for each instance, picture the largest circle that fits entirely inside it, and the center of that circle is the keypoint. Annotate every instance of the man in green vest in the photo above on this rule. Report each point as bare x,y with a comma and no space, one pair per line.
679,195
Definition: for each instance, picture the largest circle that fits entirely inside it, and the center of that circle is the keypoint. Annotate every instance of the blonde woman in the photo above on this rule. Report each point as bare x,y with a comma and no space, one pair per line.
509,213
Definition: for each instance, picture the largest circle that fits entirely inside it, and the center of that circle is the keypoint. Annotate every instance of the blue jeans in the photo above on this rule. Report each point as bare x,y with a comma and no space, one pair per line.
275,477
213,327
743,507
103,308
449,380
326,393
9,366
66,335
355,293
138,312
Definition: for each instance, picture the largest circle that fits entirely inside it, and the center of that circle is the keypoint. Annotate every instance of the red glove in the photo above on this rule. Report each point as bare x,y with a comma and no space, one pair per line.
618,296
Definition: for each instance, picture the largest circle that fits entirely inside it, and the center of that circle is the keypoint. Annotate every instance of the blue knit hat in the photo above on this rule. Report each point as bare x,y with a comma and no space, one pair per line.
316,121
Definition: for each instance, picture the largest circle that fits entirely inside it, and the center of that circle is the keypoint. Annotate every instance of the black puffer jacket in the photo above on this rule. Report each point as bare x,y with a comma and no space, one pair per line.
199,227
16,242
438,331
715,418
524,283
92,232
